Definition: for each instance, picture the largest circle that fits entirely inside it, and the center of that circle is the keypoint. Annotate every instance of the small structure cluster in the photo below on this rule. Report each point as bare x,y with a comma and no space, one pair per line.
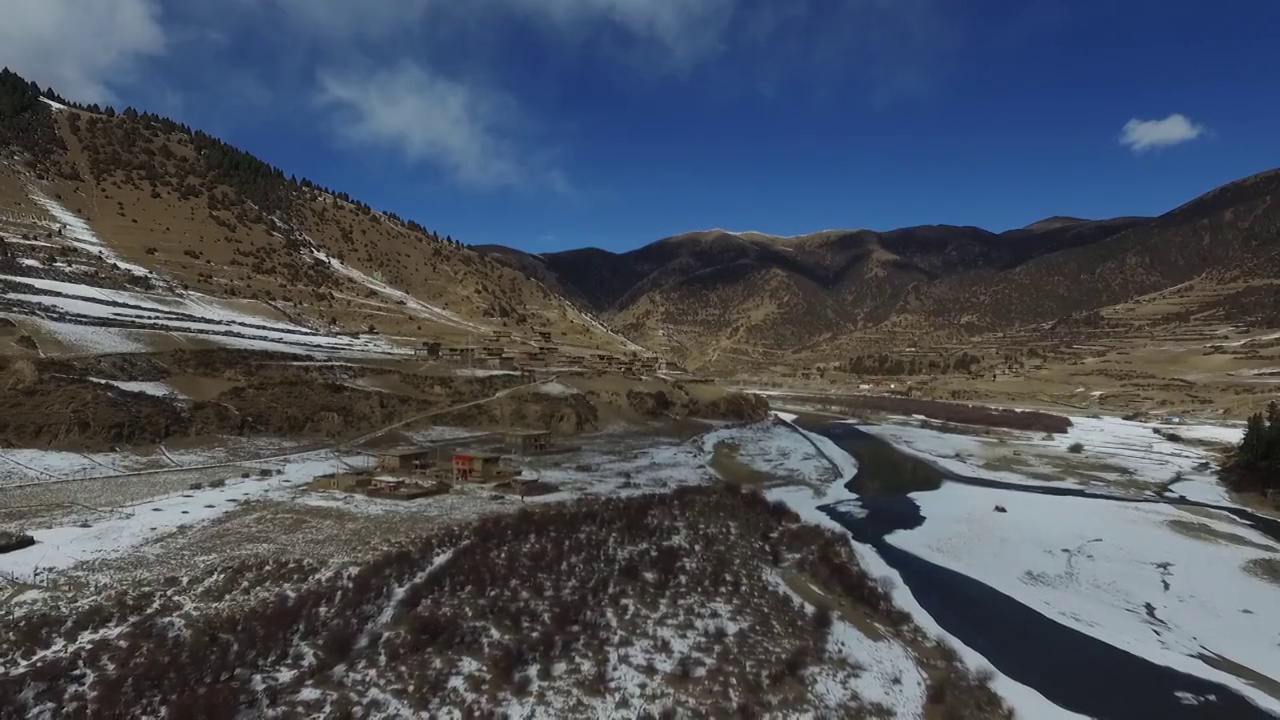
408,473
501,350
482,467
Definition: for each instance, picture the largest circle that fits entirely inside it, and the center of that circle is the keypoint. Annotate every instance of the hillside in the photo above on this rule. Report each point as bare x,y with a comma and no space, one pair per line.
699,293
715,298
133,201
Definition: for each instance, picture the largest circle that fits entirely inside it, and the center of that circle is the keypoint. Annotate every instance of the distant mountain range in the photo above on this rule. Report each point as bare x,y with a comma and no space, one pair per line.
744,292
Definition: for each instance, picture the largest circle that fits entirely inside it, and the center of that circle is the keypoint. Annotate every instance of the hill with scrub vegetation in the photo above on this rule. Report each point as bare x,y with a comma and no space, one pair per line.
190,212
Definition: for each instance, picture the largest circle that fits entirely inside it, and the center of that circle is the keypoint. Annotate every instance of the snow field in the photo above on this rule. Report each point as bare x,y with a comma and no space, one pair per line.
1026,702
118,530
1117,571
1119,457
78,233
1155,580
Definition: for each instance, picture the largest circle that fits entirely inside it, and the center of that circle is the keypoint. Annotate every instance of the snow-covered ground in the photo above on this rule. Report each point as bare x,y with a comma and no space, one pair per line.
27,466
890,676
404,299
1027,703
558,389
482,372
1152,579
74,230
1117,571
615,467
777,450
124,530
1117,456
89,319
607,466
145,387
19,465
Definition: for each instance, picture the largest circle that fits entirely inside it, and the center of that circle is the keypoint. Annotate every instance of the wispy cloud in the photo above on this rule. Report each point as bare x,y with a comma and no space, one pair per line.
79,47
347,19
676,24
686,31
1143,135
459,127
449,88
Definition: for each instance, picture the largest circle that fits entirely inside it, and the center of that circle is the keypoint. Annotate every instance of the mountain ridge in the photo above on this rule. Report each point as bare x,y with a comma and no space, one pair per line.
202,216
747,290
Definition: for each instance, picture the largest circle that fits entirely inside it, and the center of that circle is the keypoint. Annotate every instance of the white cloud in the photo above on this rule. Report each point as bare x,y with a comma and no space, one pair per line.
1142,135
78,46
345,18
455,126
682,28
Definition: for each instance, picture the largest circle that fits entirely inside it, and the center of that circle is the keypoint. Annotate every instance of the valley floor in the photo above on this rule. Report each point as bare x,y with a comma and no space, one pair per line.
705,598
1184,587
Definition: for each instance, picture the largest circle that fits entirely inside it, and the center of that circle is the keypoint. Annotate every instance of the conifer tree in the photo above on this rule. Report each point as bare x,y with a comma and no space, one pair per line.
1255,464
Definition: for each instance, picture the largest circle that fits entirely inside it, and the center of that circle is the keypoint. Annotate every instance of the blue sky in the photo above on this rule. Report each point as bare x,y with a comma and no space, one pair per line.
551,124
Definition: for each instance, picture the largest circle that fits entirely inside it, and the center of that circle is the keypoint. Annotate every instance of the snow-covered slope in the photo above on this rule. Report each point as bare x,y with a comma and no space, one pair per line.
91,319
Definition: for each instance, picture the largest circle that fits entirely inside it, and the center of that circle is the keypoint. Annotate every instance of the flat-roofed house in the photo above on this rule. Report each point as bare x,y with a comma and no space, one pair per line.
405,460
480,467
529,442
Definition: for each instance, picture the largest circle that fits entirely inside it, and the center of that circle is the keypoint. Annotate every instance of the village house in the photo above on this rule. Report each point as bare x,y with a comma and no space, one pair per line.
529,443
534,359
480,467
464,355
343,482
405,460
401,489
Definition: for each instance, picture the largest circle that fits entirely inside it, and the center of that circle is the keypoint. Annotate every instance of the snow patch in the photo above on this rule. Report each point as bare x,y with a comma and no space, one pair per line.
77,231
482,372
413,304
557,389
157,389
53,104
87,318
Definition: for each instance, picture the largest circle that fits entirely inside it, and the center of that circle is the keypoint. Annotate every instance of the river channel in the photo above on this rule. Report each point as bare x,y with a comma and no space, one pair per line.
1072,669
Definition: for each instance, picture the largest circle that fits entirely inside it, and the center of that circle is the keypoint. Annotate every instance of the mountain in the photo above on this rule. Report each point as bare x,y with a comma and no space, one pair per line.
717,296
132,201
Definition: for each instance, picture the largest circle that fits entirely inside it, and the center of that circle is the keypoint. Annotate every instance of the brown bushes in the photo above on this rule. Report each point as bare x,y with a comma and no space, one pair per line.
963,695
563,594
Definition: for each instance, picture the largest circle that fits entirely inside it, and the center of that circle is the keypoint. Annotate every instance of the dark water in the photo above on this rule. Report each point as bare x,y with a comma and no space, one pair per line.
1073,670
888,471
